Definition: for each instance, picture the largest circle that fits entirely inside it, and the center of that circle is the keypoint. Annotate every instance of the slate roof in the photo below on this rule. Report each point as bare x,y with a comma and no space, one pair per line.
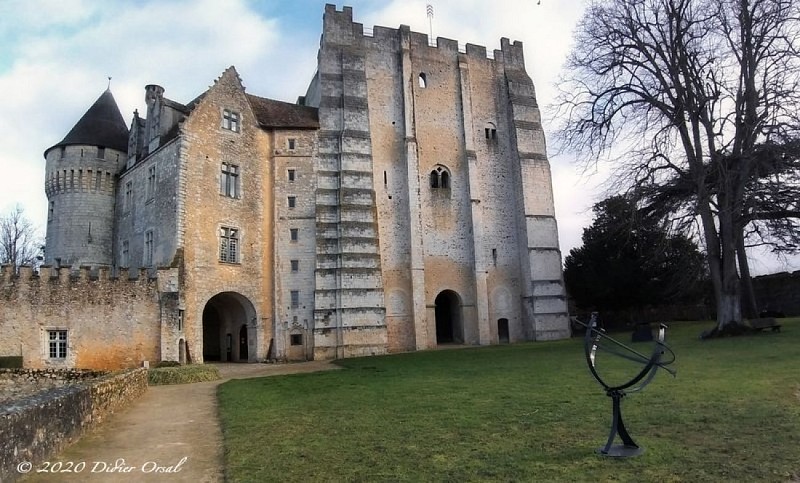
277,114
101,125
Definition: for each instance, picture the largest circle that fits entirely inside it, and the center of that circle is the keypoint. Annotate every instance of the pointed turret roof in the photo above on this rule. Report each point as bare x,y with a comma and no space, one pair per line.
102,125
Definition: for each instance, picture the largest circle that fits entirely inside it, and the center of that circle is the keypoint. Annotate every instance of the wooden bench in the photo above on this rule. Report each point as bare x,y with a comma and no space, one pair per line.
765,323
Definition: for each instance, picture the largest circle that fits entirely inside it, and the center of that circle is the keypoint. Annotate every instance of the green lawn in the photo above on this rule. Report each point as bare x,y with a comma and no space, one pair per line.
526,412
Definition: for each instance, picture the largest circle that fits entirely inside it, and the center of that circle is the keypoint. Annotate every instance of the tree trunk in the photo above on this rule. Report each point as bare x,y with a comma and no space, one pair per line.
729,305
749,303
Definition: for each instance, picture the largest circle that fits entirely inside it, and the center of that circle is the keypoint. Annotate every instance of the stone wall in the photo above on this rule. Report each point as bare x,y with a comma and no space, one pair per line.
39,426
109,323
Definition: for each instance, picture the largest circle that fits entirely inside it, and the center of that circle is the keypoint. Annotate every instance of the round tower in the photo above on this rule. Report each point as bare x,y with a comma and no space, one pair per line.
80,183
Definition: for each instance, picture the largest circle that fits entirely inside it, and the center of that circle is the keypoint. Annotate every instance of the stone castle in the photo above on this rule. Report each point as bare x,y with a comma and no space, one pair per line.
403,203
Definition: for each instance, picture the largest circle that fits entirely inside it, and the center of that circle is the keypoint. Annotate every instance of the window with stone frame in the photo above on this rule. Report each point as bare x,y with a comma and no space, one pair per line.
291,174
229,180
57,343
440,178
291,201
151,182
293,234
128,201
149,248
295,297
231,120
295,264
229,244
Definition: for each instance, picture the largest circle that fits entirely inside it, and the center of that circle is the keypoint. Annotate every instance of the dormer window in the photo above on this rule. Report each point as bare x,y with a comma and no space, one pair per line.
440,178
231,120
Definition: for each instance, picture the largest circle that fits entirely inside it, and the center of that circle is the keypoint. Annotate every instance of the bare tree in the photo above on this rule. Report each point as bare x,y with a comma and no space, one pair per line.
19,244
691,91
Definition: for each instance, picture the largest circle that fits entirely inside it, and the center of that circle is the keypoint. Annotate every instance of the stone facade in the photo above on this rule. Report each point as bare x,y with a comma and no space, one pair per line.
403,203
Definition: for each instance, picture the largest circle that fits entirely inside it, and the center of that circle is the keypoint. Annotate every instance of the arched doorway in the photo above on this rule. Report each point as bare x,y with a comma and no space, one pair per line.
448,318
227,333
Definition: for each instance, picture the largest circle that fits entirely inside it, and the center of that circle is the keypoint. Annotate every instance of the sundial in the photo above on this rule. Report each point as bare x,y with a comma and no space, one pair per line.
596,339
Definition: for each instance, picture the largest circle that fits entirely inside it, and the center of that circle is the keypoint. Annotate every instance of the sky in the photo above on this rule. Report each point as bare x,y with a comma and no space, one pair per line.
56,57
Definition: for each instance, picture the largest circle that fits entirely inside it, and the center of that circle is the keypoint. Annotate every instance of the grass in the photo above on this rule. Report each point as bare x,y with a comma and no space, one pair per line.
526,412
182,374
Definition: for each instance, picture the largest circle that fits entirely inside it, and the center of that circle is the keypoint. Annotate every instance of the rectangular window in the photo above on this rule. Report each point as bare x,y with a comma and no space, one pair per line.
293,234
149,245
230,120
296,339
291,174
57,344
124,258
151,182
101,153
128,202
291,143
229,181
229,244
295,294
292,201
50,211
295,265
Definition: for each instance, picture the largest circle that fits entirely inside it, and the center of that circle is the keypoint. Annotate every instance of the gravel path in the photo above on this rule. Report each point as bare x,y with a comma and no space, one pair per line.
171,434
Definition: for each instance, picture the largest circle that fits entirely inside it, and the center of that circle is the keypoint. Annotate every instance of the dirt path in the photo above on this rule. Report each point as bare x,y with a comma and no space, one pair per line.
172,433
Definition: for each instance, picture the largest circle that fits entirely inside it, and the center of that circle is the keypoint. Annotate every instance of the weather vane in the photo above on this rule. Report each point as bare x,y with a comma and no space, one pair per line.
592,341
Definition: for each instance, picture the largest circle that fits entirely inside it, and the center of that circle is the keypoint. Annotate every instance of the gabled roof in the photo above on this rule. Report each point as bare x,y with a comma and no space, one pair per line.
102,125
277,114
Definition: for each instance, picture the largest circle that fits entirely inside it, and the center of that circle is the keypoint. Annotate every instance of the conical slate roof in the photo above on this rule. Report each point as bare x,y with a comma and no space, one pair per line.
102,125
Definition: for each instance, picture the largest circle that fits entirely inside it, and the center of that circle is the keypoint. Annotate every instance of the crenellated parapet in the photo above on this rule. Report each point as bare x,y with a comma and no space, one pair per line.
94,281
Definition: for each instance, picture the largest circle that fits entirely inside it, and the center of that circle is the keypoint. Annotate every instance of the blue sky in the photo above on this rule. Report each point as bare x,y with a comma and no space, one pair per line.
56,55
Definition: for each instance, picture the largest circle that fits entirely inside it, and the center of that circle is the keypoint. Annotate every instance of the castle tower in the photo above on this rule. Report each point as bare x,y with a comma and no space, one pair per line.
80,174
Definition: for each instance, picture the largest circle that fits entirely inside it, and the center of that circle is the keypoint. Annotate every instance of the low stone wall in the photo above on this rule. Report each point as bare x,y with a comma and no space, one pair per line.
20,383
39,426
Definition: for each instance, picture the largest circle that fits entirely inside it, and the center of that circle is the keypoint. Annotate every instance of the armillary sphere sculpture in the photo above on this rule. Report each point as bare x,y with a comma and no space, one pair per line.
592,341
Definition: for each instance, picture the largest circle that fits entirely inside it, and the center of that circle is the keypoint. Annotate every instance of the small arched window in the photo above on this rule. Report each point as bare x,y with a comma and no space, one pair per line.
440,178
423,80
491,131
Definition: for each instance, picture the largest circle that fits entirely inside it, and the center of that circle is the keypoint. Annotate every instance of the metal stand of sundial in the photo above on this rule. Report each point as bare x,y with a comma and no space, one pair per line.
651,365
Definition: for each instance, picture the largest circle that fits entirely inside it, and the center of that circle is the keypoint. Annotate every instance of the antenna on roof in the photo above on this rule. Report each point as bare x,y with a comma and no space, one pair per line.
429,9
109,82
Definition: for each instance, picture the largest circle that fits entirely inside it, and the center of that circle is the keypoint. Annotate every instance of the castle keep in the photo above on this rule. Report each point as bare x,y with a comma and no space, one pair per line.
403,202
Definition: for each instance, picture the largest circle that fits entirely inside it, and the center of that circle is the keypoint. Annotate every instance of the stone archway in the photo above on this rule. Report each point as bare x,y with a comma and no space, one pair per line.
449,329
228,335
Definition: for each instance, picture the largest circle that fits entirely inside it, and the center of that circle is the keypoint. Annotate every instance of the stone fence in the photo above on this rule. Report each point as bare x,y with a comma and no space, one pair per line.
39,426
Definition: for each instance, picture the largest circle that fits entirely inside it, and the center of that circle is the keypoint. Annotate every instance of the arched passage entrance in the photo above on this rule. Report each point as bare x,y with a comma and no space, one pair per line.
449,329
228,334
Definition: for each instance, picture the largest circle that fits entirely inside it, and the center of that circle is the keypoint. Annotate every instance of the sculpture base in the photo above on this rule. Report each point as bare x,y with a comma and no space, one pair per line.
620,451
